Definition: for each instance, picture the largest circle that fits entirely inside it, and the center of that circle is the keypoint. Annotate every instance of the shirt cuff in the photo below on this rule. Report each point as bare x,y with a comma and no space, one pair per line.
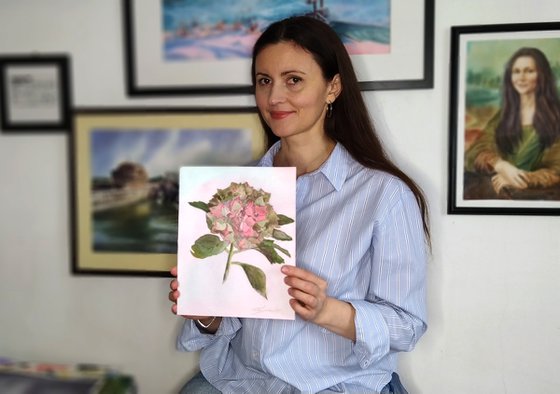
372,334
190,338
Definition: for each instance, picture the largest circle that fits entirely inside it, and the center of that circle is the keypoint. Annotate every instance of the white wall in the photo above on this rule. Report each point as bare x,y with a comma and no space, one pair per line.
493,280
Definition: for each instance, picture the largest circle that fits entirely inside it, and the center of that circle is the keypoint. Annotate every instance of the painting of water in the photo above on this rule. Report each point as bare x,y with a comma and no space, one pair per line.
134,184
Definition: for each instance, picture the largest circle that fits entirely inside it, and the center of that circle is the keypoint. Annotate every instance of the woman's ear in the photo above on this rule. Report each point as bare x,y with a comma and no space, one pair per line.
335,87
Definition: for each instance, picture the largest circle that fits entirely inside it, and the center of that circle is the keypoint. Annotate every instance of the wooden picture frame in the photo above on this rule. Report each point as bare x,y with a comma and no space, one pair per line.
124,186
182,58
485,72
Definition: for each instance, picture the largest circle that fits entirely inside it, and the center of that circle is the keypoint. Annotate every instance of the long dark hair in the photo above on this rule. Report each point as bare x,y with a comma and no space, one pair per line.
546,120
350,123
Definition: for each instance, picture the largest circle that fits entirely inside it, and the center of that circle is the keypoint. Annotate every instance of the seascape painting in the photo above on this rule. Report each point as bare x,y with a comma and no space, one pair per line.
236,230
134,181
206,30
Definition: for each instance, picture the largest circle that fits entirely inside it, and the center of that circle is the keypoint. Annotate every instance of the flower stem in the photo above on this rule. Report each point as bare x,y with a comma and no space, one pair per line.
228,263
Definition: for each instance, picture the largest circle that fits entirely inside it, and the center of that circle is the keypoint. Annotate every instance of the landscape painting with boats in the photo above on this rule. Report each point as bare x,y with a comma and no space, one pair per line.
134,181
227,29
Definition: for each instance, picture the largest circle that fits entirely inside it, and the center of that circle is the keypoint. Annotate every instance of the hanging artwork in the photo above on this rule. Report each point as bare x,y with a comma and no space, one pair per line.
181,47
125,164
35,93
504,155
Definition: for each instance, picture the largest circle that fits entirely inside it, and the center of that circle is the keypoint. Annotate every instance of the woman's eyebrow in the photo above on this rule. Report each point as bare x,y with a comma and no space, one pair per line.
283,73
292,72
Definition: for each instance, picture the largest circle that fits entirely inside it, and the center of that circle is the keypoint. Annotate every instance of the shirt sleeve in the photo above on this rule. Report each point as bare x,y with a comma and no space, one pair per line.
483,153
393,315
551,158
190,338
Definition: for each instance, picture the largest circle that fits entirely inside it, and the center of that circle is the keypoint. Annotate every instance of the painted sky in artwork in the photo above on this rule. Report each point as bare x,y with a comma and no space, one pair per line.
493,55
225,29
163,150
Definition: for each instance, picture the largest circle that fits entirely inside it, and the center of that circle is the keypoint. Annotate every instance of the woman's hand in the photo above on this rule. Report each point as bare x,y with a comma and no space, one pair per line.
311,303
174,296
174,293
309,292
508,175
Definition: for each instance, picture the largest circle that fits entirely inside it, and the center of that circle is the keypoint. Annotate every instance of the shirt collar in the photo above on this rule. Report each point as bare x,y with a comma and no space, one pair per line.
335,168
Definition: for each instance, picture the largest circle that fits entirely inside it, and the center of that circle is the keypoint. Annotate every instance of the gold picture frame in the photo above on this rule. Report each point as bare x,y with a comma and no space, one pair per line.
122,183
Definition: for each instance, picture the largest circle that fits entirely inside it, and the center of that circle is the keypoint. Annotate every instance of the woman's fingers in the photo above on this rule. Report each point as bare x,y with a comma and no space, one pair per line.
174,295
309,299
298,277
308,291
520,182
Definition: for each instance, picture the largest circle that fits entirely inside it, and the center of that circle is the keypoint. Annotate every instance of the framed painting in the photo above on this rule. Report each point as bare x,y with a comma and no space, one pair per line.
34,93
181,47
236,231
504,145
125,179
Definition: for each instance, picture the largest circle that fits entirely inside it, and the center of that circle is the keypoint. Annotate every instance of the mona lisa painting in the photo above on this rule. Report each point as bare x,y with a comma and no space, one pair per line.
505,119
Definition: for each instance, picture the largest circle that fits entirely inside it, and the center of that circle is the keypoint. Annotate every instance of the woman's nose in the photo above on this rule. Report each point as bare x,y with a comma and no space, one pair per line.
277,94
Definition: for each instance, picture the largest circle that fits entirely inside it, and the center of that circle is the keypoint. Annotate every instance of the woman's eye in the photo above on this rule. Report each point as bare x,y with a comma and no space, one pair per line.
294,80
263,81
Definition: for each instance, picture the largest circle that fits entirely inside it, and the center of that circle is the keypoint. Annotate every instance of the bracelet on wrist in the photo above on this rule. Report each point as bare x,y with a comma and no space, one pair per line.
205,326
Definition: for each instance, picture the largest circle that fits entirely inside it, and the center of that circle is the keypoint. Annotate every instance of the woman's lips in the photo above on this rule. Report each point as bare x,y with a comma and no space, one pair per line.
279,114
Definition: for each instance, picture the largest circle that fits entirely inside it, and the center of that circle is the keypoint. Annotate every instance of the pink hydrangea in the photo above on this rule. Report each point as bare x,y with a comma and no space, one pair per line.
241,215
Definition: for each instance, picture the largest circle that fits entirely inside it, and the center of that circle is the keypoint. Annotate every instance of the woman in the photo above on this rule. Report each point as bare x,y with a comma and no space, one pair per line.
358,288
520,148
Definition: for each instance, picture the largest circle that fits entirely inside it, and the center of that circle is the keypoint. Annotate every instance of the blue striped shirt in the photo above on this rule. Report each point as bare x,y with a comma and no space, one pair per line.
360,230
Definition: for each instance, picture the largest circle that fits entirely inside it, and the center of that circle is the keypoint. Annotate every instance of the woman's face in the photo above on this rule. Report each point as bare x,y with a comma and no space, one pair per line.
290,90
524,75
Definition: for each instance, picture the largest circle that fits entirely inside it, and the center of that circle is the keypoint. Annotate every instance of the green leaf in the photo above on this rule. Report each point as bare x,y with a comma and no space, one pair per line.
266,247
281,235
200,205
281,249
283,219
207,245
256,276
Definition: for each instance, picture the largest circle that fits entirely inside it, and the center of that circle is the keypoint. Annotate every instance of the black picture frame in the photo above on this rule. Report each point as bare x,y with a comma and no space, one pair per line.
408,66
92,161
478,58
35,93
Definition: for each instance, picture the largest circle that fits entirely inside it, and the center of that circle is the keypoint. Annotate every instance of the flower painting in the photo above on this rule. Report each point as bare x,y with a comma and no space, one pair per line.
243,219
236,228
